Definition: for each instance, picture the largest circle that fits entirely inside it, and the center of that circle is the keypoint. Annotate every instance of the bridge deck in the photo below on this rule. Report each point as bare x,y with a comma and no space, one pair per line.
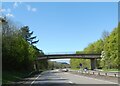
65,56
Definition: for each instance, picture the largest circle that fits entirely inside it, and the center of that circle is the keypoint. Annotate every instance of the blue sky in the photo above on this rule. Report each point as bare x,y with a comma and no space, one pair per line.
64,27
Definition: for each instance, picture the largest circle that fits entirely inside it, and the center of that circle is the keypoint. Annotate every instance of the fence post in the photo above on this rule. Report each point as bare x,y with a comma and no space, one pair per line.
115,75
98,73
106,74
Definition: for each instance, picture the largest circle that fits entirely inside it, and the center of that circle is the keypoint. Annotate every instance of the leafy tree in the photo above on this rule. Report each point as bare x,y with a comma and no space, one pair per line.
27,35
75,63
109,44
105,34
111,50
17,52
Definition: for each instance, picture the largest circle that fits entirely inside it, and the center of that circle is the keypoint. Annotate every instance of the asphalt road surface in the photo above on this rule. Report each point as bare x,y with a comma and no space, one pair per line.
57,78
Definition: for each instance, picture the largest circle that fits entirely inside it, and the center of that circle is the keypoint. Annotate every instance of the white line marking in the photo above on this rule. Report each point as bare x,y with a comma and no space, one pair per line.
34,80
61,78
70,82
96,79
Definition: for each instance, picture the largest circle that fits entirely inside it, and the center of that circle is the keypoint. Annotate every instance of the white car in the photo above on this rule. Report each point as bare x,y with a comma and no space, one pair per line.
64,70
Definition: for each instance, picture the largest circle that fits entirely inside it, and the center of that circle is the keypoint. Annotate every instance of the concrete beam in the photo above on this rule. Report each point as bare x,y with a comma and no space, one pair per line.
65,56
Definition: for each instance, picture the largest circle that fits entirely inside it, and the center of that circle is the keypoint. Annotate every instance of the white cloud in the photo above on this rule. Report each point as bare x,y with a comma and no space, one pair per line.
9,15
8,10
20,2
5,10
1,16
15,5
34,9
29,8
2,10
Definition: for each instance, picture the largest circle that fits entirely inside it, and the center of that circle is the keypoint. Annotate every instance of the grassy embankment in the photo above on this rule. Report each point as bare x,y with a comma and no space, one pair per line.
12,76
113,70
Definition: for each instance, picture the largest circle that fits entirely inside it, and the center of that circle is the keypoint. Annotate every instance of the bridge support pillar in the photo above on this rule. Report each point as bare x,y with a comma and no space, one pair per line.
36,66
93,64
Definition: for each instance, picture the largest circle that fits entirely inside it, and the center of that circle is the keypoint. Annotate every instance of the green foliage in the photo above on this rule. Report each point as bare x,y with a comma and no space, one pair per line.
95,47
75,63
111,51
11,76
109,44
43,64
25,32
119,46
17,52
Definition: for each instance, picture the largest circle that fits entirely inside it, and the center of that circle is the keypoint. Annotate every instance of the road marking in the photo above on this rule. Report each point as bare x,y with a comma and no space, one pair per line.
35,80
93,78
96,79
61,78
70,82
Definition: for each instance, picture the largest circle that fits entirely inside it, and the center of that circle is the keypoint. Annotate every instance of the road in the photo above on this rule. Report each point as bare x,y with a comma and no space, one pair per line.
57,78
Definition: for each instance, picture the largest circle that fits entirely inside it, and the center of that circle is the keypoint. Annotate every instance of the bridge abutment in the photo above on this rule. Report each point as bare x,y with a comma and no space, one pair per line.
93,63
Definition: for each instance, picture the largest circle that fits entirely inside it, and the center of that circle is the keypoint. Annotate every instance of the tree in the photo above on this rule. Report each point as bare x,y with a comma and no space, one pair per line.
17,52
75,63
27,35
111,50
109,44
105,34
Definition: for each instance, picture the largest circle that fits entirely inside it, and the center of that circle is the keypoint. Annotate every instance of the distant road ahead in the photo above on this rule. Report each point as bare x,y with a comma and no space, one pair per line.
57,78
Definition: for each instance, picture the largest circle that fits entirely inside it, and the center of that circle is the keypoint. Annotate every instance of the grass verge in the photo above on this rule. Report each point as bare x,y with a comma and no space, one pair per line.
105,70
12,76
75,68
108,70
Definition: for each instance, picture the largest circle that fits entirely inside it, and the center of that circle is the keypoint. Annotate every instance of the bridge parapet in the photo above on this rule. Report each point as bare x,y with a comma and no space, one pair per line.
51,53
64,56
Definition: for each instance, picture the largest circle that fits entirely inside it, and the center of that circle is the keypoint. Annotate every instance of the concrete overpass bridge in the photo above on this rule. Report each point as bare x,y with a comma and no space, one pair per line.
92,57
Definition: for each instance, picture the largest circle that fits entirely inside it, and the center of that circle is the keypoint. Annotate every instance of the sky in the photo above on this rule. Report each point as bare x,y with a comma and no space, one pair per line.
64,26
62,0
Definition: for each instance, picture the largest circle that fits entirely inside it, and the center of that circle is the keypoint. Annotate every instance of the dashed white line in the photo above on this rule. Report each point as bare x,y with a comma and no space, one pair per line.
96,79
34,80
70,82
61,78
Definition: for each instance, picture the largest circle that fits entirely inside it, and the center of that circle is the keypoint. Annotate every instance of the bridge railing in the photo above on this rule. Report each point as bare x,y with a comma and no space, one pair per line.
72,52
49,53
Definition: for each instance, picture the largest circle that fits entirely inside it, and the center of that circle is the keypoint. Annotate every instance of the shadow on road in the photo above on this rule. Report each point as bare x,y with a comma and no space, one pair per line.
44,79
60,84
